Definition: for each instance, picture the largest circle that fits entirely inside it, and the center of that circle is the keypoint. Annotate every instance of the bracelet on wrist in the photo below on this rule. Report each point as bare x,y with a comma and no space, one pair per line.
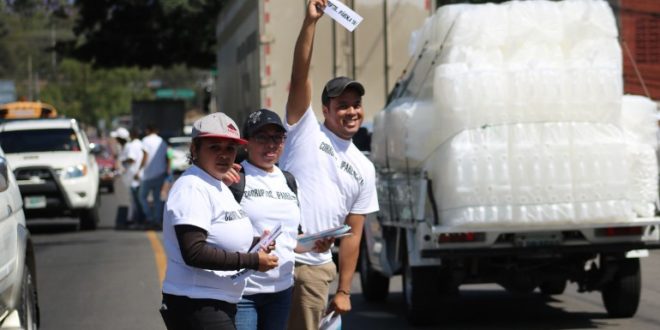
348,293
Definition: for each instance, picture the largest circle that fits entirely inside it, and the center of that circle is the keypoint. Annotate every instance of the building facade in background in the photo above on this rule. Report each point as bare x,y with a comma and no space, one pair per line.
639,24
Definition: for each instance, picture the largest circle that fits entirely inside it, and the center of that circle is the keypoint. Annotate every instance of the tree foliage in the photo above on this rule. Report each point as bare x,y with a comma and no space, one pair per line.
144,33
28,29
89,94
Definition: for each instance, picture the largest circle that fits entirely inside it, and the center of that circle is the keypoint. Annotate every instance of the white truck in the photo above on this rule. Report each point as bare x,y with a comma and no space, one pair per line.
509,155
54,167
256,40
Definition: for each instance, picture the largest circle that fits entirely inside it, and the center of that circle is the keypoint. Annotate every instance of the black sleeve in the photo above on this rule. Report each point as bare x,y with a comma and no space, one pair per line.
196,252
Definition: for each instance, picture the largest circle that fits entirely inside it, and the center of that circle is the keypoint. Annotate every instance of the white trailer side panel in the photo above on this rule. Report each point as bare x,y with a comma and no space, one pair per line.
238,88
255,73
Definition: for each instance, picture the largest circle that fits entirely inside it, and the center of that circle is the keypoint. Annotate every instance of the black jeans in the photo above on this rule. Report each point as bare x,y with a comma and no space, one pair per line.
183,313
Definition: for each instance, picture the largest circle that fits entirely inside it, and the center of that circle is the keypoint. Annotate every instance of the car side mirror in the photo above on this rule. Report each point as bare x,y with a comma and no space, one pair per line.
4,174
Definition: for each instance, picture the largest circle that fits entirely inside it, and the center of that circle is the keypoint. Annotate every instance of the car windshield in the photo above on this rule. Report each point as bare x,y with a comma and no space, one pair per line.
62,139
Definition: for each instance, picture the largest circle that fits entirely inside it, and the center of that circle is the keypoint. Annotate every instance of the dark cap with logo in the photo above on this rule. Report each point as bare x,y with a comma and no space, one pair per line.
336,86
260,118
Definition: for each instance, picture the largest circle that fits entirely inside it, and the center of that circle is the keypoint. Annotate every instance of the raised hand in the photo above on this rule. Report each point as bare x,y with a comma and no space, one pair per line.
315,8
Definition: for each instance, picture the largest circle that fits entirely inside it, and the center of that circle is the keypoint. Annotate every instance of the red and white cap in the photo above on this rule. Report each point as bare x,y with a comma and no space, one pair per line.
217,125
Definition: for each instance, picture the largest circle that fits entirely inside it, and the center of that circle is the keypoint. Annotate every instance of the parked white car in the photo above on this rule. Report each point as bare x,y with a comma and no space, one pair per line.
180,146
19,308
54,167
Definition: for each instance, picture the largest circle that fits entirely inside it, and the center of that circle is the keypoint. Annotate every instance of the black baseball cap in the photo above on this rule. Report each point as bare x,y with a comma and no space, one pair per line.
259,119
336,86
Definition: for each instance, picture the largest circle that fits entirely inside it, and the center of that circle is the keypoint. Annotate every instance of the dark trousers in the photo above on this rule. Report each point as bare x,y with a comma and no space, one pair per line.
183,313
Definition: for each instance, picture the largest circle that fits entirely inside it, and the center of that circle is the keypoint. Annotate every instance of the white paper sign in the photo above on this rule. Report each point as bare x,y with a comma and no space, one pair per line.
342,14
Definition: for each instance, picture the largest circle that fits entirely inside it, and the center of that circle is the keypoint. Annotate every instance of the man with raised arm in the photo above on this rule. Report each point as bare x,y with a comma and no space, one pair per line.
337,182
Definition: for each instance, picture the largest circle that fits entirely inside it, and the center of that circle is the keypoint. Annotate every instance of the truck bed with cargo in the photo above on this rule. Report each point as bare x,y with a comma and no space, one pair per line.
508,154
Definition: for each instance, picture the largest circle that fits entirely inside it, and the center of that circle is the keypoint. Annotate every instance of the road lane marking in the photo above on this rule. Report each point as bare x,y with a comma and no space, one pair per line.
159,254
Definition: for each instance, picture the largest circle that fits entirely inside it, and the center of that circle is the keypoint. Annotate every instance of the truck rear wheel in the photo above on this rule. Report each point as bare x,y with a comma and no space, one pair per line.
621,296
420,288
375,286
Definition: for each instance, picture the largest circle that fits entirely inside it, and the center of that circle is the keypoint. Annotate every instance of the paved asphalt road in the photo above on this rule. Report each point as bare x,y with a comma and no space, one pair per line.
109,279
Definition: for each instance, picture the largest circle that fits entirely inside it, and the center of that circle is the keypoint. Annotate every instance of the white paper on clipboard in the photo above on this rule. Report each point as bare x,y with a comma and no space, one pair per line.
343,14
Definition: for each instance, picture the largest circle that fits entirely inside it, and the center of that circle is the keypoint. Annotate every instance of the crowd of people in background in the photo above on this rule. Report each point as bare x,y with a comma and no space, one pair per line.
144,168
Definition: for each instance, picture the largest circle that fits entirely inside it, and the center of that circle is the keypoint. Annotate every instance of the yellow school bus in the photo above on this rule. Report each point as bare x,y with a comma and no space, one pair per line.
25,110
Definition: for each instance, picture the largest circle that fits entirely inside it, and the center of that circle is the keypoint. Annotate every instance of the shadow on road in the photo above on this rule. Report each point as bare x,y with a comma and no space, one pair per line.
477,309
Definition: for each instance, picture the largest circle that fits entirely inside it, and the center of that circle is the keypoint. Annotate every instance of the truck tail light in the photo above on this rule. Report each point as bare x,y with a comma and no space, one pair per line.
620,231
461,237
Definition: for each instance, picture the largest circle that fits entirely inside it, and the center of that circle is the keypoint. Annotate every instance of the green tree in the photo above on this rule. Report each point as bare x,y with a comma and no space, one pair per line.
89,94
144,33
28,30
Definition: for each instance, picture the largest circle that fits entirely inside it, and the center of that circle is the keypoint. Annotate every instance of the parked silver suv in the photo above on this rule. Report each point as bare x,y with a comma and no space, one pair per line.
19,308
54,167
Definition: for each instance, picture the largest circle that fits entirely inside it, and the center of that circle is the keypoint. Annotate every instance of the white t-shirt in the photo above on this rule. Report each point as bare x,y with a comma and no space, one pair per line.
132,150
268,200
200,200
334,178
156,150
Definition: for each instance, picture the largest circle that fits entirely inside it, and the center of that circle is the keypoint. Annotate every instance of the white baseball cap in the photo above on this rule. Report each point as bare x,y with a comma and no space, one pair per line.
121,133
217,125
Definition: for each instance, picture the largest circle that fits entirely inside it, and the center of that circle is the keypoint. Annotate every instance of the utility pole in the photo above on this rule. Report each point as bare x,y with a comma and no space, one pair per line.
53,54
29,64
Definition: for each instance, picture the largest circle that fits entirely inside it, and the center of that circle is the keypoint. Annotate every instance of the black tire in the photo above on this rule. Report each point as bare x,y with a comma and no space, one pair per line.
89,218
420,288
375,286
28,310
621,296
553,287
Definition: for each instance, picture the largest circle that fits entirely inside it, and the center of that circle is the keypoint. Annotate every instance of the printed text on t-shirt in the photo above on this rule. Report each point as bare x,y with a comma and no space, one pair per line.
343,165
233,215
257,193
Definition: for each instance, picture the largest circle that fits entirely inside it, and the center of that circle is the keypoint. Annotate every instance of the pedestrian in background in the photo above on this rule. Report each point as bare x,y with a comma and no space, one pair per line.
154,173
130,158
268,199
207,235
169,180
336,180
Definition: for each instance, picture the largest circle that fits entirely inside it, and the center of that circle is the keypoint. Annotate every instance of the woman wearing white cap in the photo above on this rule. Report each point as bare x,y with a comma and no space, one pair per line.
207,235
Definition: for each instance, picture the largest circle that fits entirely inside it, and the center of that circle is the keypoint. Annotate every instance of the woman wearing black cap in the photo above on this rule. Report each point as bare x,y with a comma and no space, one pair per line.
269,198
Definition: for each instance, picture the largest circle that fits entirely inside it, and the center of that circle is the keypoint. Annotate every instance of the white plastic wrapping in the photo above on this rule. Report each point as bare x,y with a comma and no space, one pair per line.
639,121
515,112
378,152
533,172
643,187
404,134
